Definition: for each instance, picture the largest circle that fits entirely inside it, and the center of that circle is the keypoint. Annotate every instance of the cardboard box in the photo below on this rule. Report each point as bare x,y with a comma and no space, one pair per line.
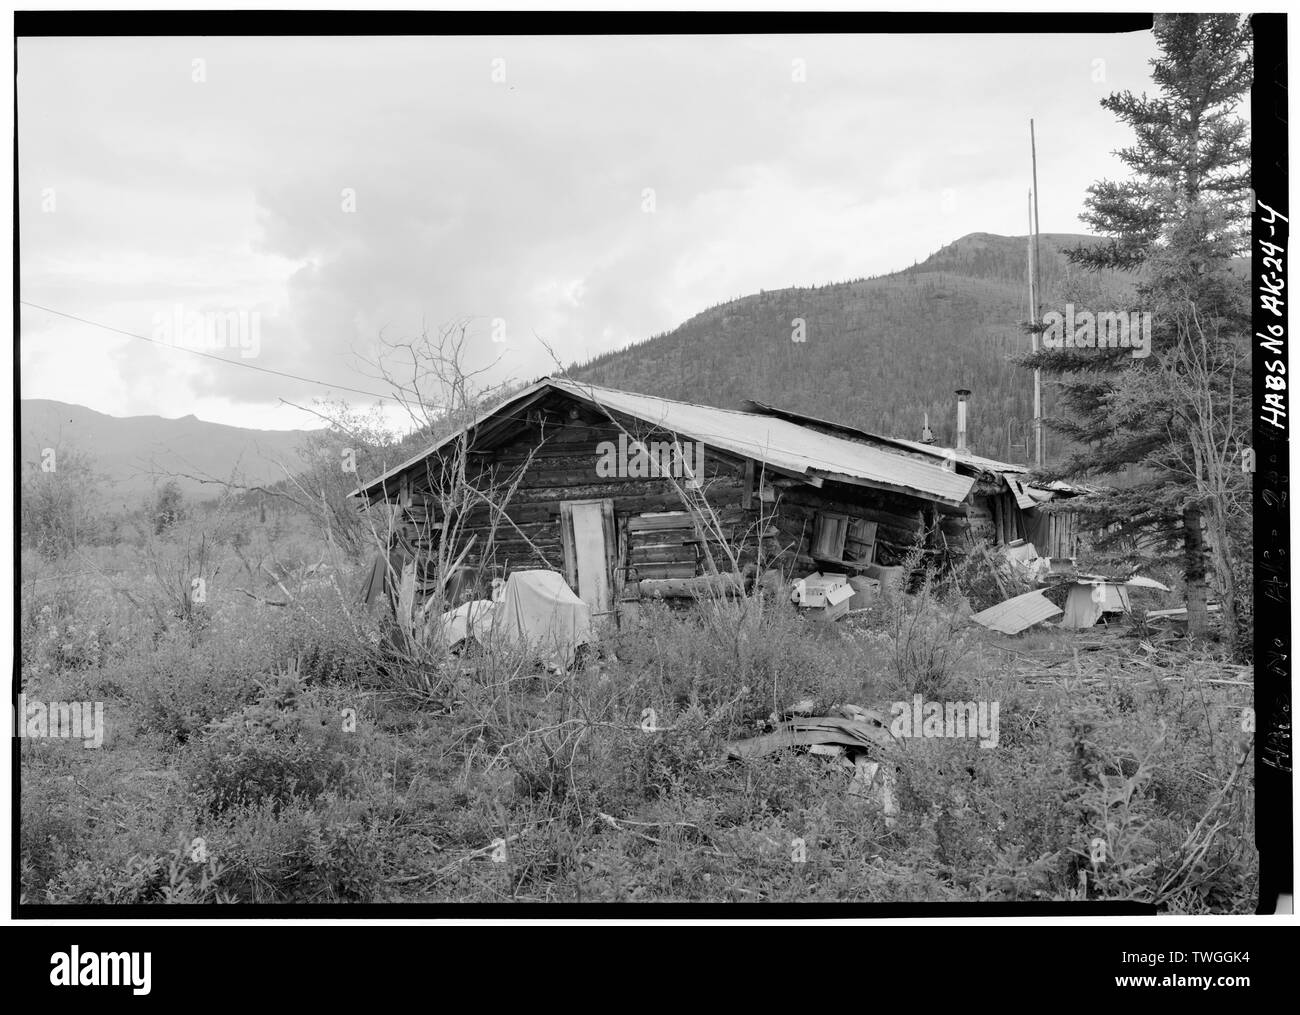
812,591
837,601
828,594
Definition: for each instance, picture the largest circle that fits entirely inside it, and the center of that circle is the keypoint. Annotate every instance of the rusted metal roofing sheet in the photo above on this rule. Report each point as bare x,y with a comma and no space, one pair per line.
1018,613
777,442
1020,490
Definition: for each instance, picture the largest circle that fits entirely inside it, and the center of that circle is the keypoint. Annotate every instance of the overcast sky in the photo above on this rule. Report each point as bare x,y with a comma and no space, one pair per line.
606,190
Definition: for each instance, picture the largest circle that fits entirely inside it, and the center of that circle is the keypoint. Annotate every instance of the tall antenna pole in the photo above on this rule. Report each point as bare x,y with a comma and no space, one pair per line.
1029,263
1033,319
1036,296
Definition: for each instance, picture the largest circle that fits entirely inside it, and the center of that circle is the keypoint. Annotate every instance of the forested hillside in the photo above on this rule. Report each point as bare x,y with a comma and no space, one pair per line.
877,352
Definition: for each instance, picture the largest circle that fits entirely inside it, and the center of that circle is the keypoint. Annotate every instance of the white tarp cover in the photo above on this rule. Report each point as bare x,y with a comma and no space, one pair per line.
472,619
1088,601
539,609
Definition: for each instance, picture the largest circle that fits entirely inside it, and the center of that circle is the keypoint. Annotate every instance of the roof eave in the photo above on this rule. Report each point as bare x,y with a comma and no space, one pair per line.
909,491
410,463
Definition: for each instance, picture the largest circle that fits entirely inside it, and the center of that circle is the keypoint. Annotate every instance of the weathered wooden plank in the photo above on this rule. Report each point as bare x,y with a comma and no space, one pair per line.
653,571
710,585
661,520
663,554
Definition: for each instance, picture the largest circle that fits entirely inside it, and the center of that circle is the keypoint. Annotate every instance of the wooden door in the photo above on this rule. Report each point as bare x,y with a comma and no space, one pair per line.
590,546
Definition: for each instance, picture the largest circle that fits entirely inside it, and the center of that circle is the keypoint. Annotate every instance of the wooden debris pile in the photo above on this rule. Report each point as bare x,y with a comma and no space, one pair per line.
851,737
851,726
1093,659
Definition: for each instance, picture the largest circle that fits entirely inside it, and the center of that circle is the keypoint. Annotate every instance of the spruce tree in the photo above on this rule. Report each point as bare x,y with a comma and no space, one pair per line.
1164,434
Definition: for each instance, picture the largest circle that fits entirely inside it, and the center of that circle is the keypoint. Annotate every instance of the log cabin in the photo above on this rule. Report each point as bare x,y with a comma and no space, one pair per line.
613,488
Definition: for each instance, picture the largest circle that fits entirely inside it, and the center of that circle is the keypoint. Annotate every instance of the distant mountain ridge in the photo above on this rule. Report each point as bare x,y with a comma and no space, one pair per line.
878,353
132,453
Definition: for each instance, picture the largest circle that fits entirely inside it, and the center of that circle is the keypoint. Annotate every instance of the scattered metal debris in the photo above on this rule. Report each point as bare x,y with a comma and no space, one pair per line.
1090,597
1018,613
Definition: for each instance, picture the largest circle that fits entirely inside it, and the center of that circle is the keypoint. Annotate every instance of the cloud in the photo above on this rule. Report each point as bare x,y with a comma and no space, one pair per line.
344,188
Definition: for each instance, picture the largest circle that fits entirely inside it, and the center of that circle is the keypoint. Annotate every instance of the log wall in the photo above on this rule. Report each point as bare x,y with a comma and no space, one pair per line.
555,459
552,455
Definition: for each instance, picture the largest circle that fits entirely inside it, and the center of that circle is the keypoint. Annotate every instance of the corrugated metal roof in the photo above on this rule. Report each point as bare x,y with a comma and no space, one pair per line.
769,439
1018,613
933,450
780,442
965,457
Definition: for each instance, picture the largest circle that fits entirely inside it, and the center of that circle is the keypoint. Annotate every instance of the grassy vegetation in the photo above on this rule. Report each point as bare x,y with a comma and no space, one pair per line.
232,770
